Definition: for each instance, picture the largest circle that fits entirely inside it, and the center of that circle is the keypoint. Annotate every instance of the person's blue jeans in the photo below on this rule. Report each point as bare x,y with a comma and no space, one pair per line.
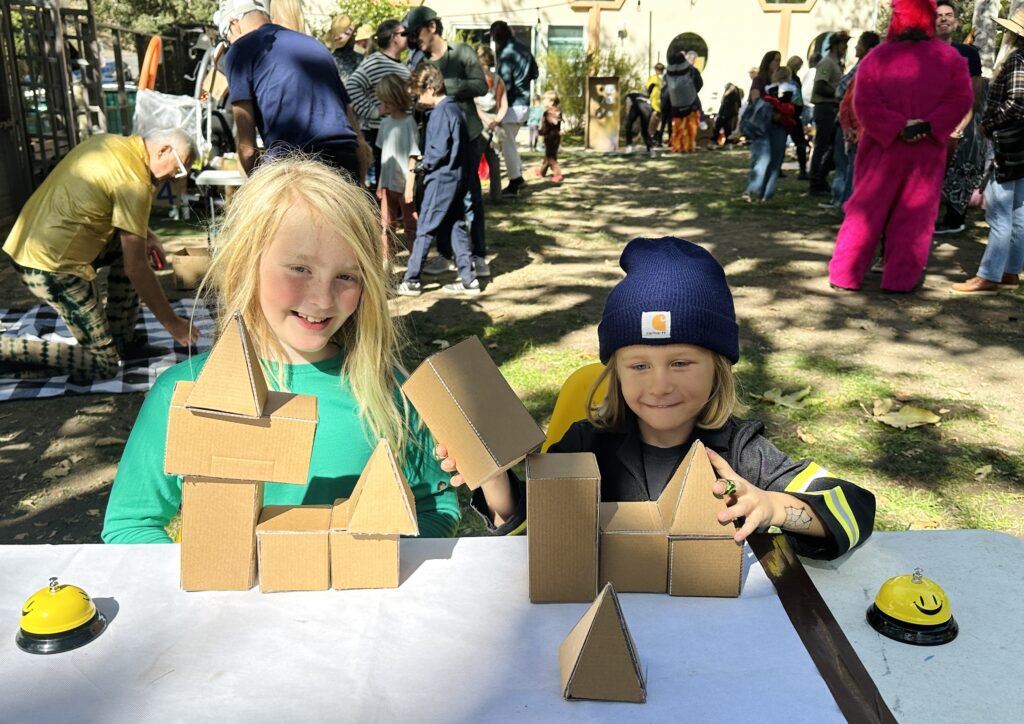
766,155
1005,216
841,187
474,207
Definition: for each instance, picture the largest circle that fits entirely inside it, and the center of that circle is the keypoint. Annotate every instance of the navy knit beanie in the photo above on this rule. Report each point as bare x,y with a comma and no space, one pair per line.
674,293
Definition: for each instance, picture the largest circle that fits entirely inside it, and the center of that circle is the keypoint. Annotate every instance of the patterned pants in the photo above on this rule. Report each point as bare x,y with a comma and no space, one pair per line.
684,133
103,333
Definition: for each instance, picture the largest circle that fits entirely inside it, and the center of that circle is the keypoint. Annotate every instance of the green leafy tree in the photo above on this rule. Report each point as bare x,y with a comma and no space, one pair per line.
373,12
151,15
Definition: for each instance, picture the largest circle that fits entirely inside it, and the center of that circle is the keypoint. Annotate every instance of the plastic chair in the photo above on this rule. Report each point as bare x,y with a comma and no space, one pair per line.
571,405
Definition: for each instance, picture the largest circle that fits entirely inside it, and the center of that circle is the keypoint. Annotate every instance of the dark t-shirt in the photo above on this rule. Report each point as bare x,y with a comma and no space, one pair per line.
972,56
294,85
659,464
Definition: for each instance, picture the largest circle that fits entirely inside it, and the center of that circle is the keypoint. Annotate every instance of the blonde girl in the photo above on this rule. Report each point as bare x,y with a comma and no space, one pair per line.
668,339
551,133
300,260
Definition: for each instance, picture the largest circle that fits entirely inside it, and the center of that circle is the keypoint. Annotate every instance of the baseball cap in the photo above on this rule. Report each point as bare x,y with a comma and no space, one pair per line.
233,9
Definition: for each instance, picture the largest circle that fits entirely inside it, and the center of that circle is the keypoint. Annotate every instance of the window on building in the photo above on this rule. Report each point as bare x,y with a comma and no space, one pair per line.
565,38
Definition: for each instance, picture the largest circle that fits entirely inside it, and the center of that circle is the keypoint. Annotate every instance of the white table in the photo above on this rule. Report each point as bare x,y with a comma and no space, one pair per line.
218,177
458,641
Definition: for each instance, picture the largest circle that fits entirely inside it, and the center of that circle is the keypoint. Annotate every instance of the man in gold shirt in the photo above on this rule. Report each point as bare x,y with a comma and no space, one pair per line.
93,211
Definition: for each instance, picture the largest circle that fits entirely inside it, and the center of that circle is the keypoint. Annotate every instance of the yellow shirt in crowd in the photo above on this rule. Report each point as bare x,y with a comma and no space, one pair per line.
102,185
655,80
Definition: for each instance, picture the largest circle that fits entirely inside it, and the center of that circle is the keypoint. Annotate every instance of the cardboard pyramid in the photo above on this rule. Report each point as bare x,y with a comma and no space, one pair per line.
220,387
228,425
365,528
382,502
598,659
687,505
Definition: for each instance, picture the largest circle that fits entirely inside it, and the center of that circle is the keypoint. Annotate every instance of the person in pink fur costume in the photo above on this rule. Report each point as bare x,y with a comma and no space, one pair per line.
909,79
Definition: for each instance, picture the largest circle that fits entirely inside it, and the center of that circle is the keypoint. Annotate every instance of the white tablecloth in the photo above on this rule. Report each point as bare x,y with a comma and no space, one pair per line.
457,642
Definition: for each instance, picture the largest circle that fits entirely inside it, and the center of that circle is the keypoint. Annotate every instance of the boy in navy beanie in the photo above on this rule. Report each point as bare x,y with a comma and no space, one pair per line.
668,339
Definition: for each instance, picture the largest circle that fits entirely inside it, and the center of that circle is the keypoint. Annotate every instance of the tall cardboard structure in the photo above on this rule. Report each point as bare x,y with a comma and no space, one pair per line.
365,528
228,433
598,659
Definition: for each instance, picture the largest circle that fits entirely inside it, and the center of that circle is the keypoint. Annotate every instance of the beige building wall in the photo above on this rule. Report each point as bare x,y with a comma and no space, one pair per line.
737,32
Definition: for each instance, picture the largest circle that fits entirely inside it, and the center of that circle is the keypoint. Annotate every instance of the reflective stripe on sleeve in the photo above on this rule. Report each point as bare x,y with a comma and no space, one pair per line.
804,477
836,501
520,530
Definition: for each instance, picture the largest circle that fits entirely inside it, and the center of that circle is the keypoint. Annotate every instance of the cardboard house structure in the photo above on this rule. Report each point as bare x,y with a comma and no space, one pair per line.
671,545
598,659
228,434
468,405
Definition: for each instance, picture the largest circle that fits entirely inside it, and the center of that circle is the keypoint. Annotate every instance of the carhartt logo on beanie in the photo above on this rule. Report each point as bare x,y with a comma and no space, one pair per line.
674,293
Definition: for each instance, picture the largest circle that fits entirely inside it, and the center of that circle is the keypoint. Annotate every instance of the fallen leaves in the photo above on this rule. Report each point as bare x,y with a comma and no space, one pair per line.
110,441
805,436
904,416
793,400
982,472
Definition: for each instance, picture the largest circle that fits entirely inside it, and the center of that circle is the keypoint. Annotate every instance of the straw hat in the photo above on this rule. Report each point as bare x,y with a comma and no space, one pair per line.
1014,23
365,32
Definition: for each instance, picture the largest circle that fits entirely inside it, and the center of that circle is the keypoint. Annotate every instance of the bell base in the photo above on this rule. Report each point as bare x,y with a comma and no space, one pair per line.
61,642
910,633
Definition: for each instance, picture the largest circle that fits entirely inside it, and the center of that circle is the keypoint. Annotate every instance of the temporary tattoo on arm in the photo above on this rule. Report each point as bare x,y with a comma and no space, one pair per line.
796,518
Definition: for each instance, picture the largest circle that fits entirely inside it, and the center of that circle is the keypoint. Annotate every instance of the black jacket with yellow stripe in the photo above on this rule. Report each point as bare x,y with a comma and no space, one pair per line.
846,510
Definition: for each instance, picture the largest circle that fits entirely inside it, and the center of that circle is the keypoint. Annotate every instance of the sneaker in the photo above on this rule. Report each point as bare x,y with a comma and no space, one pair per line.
558,179
480,267
410,288
437,266
976,286
943,228
827,205
460,287
879,266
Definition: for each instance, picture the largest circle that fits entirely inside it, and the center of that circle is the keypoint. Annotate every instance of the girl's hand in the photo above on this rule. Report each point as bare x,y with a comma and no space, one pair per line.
448,465
748,501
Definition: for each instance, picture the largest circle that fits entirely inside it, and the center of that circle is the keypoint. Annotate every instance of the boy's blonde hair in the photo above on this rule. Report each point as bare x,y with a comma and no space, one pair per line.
614,414
392,89
551,99
369,339
782,75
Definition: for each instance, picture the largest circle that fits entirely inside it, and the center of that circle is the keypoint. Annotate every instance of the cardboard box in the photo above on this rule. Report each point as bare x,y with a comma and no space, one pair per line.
190,266
293,549
598,659
469,407
218,534
563,491
228,424
675,543
365,528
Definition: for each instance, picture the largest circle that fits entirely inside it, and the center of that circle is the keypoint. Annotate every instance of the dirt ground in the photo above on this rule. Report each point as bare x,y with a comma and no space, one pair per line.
555,254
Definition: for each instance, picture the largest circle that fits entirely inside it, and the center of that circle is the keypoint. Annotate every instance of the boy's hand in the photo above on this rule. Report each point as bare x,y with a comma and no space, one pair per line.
746,501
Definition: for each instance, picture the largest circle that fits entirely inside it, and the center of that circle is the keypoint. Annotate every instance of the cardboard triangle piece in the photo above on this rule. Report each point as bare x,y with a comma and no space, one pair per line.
598,659
382,502
232,380
697,509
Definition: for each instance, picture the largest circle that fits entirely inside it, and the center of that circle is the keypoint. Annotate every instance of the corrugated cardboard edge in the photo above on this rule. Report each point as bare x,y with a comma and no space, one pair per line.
202,398
587,623
597,527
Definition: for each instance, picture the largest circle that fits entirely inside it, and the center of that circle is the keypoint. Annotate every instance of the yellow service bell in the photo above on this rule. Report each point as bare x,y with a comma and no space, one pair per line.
913,609
58,618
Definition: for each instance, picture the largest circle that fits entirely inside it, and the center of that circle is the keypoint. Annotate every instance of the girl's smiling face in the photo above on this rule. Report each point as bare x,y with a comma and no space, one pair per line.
310,285
666,387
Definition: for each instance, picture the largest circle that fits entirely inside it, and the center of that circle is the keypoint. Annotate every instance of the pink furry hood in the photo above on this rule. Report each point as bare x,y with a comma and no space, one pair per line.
909,14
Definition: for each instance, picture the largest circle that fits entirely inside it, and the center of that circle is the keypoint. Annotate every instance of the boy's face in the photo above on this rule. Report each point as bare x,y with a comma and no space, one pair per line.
666,387
427,98
310,285
386,109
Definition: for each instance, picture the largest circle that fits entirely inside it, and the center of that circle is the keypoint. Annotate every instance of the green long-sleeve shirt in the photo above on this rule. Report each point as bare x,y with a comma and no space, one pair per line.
144,499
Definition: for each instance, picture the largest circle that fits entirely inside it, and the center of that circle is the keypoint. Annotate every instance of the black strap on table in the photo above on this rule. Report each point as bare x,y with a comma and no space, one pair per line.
837,662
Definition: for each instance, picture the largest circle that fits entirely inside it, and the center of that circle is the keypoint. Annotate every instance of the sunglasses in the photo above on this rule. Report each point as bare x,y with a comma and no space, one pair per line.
404,34
182,171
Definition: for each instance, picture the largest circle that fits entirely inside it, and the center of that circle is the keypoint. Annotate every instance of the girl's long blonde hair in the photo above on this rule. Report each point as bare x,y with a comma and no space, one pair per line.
369,339
612,413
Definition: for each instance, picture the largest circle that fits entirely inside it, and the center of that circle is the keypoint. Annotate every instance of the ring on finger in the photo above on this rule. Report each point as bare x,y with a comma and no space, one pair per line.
730,486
